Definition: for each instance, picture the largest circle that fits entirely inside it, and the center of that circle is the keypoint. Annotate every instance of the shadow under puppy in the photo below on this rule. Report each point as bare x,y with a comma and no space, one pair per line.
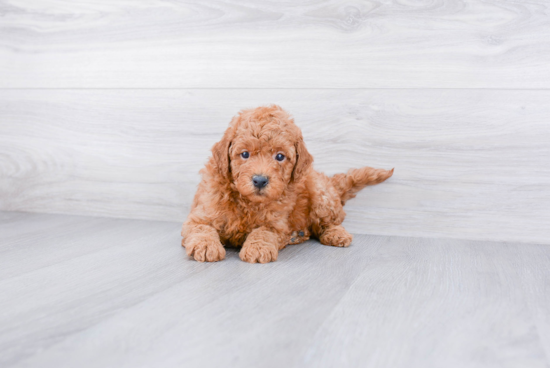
259,192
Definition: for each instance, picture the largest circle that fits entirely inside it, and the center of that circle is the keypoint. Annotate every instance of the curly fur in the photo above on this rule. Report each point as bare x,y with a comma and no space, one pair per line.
297,203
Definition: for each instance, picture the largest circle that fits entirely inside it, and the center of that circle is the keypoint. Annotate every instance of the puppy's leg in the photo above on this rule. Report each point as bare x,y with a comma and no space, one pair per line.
202,242
327,213
335,235
261,246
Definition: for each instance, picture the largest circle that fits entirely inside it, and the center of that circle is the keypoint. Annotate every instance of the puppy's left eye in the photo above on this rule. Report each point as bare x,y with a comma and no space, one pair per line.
279,157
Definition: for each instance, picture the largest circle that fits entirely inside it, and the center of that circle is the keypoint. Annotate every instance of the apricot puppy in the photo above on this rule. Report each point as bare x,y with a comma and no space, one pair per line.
260,192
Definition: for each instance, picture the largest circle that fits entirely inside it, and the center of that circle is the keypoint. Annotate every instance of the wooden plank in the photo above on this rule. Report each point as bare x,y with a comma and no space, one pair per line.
452,303
243,44
24,248
70,279
469,163
536,283
384,301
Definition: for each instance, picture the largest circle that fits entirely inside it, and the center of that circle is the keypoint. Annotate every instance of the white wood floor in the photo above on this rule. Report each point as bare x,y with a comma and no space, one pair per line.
97,292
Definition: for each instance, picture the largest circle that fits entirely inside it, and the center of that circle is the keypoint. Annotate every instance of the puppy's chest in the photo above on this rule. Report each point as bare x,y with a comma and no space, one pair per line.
236,229
245,220
242,221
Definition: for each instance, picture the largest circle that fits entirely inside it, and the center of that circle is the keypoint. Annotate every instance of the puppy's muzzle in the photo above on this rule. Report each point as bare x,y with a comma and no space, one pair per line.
260,181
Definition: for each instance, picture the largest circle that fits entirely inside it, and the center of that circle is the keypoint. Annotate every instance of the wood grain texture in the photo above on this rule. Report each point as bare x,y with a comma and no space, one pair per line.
270,44
91,292
469,163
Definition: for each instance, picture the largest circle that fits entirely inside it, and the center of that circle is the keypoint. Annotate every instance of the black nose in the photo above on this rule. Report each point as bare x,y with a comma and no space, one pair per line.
260,181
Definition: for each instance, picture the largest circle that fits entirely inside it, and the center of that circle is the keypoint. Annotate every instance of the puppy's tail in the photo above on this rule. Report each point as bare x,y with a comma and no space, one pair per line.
349,184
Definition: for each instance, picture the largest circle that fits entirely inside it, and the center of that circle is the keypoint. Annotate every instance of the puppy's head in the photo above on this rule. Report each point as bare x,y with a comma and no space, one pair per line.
261,153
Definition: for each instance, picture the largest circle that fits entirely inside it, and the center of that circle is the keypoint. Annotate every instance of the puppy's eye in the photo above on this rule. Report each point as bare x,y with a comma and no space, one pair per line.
280,157
245,155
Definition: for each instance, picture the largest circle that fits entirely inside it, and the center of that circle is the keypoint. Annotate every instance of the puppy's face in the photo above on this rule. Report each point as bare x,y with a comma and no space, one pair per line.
262,160
265,152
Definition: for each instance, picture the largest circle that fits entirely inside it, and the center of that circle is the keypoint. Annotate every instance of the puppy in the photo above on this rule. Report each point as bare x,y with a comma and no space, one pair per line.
260,192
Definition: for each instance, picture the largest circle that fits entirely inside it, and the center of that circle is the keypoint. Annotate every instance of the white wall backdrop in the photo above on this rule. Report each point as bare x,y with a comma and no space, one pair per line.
109,108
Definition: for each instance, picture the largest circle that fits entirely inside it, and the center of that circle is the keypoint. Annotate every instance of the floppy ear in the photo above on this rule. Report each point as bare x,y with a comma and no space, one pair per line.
220,152
303,160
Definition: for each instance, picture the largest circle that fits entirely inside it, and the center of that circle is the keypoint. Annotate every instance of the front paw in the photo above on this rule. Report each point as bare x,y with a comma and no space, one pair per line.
258,252
204,248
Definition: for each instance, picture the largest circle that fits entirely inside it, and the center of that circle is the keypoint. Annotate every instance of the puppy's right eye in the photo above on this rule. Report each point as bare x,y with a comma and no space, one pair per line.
245,155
